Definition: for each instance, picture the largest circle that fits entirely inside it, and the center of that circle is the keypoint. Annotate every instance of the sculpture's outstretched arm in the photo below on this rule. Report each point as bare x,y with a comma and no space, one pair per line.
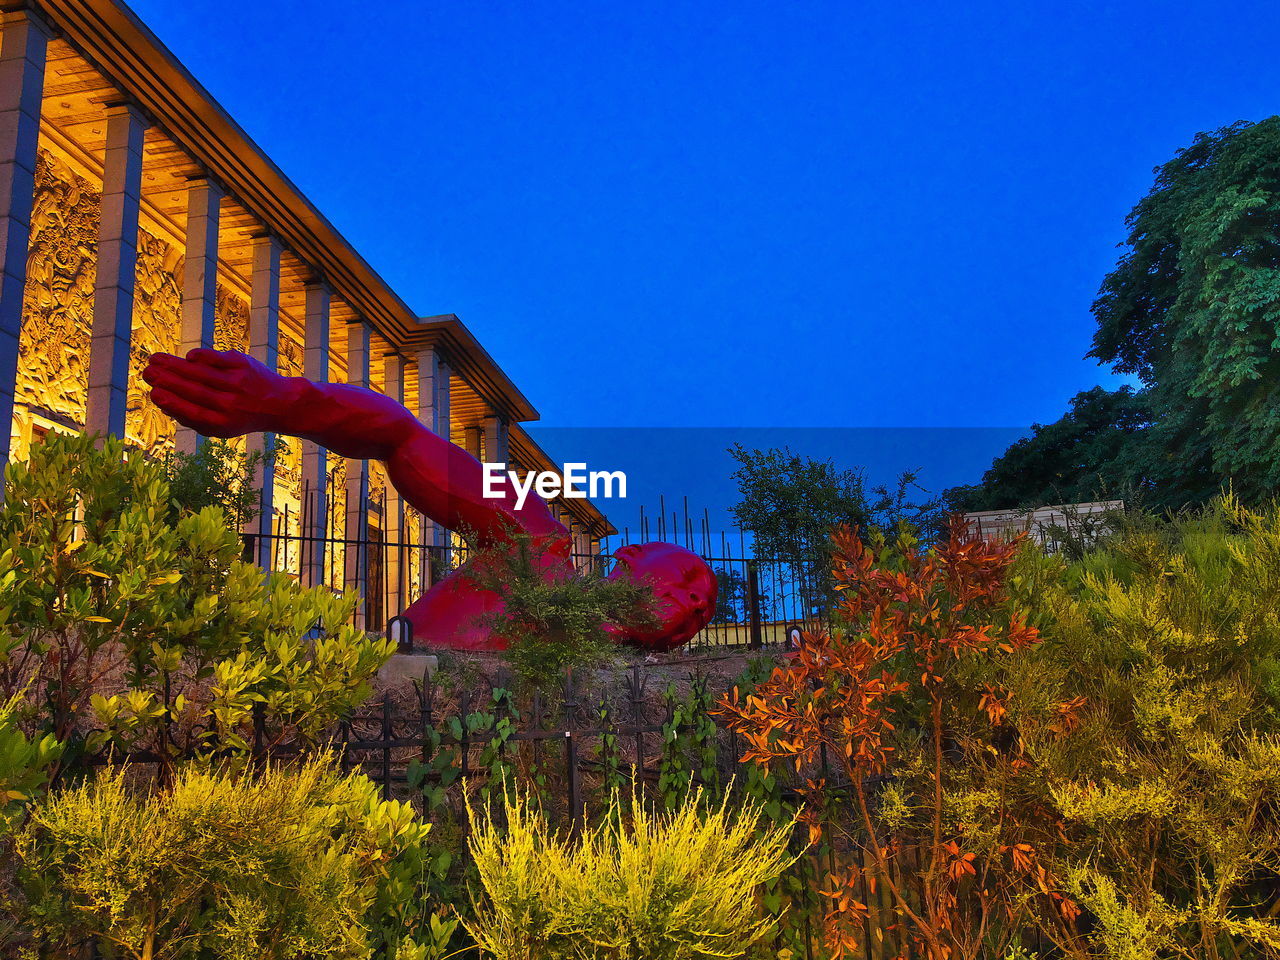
227,394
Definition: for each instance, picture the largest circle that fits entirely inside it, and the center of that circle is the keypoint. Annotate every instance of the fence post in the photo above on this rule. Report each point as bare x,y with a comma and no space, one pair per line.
571,770
344,757
259,727
426,714
571,756
535,745
464,745
386,746
753,604
637,721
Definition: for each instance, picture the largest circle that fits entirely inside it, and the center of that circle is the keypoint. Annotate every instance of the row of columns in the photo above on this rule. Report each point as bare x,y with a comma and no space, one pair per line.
116,268
23,49
581,539
356,522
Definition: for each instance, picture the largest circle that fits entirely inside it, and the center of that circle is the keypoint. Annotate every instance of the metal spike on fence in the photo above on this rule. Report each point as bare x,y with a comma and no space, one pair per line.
571,755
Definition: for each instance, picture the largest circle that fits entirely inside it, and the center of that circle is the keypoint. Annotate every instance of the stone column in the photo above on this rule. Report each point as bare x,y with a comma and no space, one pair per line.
315,473
112,335
393,532
434,402
264,346
23,45
496,439
199,281
433,391
359,337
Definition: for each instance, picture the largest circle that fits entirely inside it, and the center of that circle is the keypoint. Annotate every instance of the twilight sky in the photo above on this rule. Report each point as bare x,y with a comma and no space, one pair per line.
701,214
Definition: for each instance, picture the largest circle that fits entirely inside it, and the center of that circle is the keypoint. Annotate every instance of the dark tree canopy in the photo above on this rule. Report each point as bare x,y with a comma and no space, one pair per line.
1090,454
1192,310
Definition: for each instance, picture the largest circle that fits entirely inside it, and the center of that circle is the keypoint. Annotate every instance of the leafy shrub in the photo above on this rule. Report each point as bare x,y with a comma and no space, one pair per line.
886,700
676,886
285,863
218,475
138,630
558,623
24,766
1159,811
688,744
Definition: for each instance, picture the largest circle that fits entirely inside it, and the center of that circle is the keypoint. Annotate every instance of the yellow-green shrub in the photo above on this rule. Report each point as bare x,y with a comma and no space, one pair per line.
290,862
1153,799
675,886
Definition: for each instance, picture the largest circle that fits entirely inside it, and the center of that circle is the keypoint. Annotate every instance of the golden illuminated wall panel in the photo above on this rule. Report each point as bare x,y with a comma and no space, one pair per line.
157,314
57,317
57,307
287,502
336,496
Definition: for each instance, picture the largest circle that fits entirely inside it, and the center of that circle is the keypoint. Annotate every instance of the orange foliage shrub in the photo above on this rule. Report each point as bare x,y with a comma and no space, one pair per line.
884,694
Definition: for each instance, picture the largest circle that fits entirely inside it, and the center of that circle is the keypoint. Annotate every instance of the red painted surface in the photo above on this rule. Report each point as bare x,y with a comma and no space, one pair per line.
228,394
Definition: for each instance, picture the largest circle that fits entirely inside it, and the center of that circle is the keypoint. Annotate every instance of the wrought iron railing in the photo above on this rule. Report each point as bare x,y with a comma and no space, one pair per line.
762,602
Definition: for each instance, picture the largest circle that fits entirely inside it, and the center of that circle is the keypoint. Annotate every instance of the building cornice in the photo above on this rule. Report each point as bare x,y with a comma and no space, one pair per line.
467,358
119,45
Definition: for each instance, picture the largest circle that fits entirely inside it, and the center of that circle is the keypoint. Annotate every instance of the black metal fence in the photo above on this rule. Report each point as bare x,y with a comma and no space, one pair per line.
641,730
762,601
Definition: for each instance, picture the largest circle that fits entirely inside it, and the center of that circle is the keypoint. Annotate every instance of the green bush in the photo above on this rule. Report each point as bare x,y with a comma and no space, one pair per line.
24,766
218,475
555,624
677,886
286,863
137,625
1143,736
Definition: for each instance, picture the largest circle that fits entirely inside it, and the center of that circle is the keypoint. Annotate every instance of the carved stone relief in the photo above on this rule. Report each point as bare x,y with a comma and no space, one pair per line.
57,308
157,322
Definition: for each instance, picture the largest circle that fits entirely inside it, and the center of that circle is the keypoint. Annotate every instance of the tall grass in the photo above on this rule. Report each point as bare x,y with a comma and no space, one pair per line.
641,886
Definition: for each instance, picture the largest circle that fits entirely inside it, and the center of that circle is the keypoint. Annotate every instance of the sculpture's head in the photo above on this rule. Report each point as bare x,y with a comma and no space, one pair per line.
684,589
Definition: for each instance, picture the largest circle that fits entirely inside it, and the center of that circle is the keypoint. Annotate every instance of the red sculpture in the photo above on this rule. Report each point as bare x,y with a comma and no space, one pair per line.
228,394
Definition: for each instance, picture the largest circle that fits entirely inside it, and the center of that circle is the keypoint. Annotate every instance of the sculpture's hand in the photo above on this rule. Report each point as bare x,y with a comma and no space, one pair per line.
219,393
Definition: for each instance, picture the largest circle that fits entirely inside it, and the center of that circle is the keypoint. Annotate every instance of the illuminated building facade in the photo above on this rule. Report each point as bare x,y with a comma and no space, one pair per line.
136,217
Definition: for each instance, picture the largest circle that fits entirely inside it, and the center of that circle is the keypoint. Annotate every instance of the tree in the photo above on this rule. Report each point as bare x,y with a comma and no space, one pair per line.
732,599
1192,309
790,503
218,474
1092,453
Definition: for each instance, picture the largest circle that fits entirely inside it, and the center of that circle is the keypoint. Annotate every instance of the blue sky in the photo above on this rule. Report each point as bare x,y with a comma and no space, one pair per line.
759,214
